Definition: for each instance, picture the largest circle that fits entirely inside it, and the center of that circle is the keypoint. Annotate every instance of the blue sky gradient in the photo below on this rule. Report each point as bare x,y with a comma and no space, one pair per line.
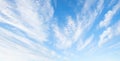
59,30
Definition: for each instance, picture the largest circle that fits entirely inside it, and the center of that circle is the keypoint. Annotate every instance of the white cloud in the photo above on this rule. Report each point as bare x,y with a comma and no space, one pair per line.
14,55
22,29
86,43
87,5
86,18
17,47
99,7
112,2
105,36
70,27
109,15
75,29
3,5
31,17
62,41
109,33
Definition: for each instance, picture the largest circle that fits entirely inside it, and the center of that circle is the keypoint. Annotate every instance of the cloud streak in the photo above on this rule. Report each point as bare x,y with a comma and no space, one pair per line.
71,35
108,34
75,29
28,31
109,15
86,43
23,29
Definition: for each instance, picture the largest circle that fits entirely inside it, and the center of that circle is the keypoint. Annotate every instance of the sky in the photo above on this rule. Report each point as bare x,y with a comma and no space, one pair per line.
59,30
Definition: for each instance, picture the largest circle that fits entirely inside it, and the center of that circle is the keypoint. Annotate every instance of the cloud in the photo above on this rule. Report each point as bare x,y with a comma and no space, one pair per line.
70,27
87,18
74,29
105,36
29,18
109,15
16,47
62,41
14,55
86,43
112,2
108,34
23,29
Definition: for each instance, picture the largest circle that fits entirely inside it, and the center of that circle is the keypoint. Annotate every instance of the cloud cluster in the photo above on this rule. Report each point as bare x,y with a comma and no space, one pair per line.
23,29
109,33
109,15
76,28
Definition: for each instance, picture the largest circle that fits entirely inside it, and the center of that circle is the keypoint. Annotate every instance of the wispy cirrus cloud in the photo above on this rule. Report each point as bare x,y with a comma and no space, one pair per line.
64,36
28,18
87,18
28,31
108,34
76,28
23,29
105,36
109,15
86,43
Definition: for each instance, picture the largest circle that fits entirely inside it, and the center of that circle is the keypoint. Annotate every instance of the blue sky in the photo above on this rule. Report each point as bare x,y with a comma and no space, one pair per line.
59,30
